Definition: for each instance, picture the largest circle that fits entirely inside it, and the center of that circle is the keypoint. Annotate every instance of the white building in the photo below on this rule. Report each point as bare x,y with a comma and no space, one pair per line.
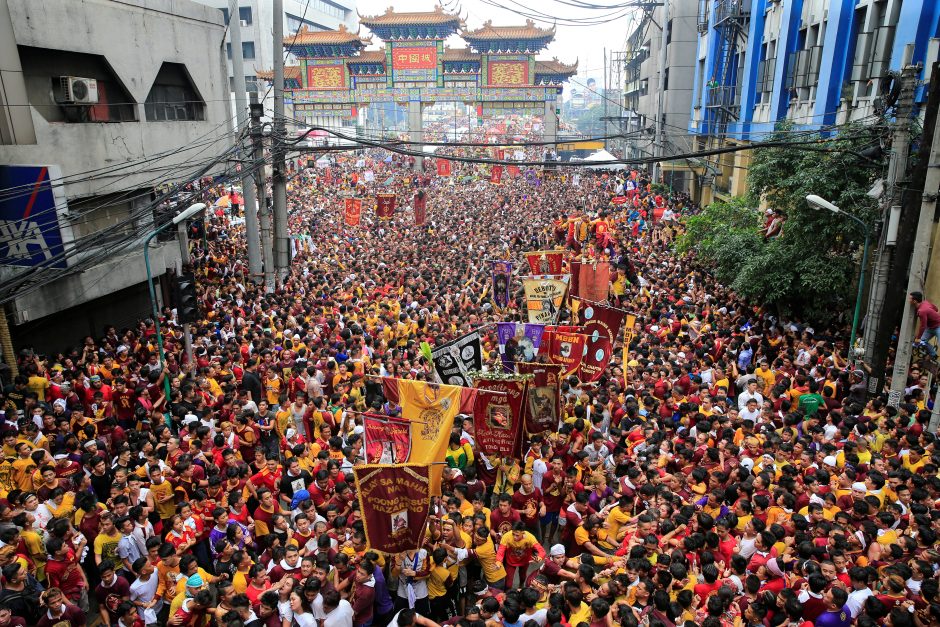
113,99
256,18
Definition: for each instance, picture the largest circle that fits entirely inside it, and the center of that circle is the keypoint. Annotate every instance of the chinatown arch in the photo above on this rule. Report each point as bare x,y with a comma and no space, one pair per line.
496,73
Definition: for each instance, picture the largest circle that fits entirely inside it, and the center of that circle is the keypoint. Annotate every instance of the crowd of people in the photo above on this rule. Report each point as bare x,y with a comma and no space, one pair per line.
726,470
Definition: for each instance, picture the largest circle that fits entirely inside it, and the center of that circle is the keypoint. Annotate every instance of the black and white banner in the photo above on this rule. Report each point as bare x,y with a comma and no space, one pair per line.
452,361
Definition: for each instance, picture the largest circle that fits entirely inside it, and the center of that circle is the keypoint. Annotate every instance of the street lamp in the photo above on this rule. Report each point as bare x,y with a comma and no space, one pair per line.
821,203
181,218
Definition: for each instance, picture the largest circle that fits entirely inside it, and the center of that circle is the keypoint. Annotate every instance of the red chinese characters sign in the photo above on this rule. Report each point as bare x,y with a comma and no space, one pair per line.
325,77
414,58
508,73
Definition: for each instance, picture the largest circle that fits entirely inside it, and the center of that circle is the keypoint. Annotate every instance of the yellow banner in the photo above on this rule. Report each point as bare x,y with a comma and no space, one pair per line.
544,296
430,408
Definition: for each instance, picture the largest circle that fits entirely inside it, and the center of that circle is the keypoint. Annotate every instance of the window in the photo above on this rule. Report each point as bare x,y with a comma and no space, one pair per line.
248,50
244,14
174,97
666,79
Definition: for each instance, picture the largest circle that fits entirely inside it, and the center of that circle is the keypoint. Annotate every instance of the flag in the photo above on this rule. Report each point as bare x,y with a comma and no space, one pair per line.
628,330
512,170
518,342
594,281
619,200
452,361
395,502
421,208
543,401
497,418
387,440
353,211
443,167
502,278
391,393
601,325
430,408
565,347
384,206
496,174
575,268
544,297
545,261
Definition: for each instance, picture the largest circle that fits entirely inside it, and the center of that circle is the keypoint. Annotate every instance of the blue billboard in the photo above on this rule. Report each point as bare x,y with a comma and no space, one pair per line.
29,216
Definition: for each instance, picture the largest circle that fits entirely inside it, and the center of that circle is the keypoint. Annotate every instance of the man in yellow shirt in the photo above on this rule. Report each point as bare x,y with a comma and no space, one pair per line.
485,552
515,552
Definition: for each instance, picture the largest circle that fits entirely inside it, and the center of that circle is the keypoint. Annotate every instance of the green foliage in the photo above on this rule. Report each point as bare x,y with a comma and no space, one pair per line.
810,270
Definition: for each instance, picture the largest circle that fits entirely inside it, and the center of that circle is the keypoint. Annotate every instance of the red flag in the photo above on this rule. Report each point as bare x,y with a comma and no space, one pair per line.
395,502
443,167
512,170
545,261
497,418
387,439
601,325
619,200
543,401
421,208
496,174
353,211
384,206
575,268
593,281
355,178
565,348
328,176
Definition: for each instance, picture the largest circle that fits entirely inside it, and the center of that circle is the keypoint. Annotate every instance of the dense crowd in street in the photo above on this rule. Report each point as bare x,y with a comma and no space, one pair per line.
727,469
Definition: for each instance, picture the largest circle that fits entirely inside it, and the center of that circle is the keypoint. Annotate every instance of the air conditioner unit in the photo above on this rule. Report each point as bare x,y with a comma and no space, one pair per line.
244,22
76,90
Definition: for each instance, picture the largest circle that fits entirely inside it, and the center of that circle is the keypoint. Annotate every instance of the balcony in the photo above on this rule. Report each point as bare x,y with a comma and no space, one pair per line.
734,10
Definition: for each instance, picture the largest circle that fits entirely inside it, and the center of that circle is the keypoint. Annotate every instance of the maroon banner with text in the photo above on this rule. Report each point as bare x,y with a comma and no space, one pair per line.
395,502
593,281
545,261
497,418
387,439
384,206
565,347
543,401
496,174
421,208
443,167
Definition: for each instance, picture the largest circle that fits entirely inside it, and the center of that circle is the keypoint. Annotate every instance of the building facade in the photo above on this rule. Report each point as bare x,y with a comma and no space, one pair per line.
256,19
646,84
816,63
107,102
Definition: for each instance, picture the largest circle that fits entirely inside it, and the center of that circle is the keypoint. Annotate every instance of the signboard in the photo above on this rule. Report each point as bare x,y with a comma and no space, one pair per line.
29,216
508,73
414,58
326,77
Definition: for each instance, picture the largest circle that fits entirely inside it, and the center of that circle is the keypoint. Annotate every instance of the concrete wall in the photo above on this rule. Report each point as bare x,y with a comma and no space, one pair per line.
134,38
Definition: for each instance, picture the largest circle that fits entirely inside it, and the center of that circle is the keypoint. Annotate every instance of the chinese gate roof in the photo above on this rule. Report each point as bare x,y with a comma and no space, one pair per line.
489,32
404,18
369,56
554,66
325,43
459,54
291,76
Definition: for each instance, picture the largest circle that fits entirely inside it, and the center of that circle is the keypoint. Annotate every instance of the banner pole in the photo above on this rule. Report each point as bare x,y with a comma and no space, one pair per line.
464,387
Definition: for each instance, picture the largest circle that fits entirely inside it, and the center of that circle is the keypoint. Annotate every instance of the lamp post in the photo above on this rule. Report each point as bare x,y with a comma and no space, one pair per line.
179,219
821,203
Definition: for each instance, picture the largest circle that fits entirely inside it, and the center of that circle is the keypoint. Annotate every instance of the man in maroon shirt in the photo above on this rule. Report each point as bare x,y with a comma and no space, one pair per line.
527,500
110,592
124,402
503,518
64,572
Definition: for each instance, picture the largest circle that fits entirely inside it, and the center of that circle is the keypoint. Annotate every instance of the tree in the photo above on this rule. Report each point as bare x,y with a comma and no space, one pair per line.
810,270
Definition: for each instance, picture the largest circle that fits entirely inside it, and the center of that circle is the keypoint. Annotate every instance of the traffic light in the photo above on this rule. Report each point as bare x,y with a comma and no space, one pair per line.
187,301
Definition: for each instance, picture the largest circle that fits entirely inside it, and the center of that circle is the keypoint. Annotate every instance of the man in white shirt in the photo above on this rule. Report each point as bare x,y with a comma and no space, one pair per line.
339,613
860,590
749,393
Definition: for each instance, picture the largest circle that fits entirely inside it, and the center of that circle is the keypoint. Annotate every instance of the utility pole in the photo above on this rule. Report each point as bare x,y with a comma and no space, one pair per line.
890,278
605,99
241,113
278,166
661,104
921,252
878,326
264,212
185,260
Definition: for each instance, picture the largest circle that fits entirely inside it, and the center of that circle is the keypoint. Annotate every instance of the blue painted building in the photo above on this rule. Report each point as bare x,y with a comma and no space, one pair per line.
814,62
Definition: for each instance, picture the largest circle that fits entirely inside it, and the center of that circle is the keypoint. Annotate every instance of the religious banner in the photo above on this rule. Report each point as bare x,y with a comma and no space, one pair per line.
430,408
544,297
443,167
593,281
421,208
545,261
518,342
628,332
452,361
512,170
574,267
353,211
496,174
543,400
601,325
395,502
619,200
328,176
387,440
502,278
498,418
384,206
565,347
